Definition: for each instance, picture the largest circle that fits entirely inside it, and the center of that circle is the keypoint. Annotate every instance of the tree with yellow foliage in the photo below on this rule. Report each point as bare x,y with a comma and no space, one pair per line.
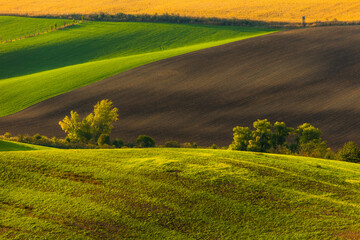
96,124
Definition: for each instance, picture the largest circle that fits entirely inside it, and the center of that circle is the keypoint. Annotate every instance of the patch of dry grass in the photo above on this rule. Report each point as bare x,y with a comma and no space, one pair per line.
268,10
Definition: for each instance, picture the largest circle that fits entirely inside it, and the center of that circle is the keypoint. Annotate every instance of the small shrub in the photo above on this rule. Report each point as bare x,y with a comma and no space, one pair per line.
106,146
7,135
214,146
130,144
145,141
118,143
280,150
350,153
194,145
37,137
314,148
21,138
172,144
330,154
187,145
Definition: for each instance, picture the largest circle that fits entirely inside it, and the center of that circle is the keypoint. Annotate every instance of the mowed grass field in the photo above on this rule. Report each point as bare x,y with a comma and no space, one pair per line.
267,10
176,194
37,68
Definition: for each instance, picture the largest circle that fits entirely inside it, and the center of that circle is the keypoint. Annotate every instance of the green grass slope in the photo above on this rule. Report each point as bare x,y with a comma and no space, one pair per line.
15,27
176,194
15,146
38,68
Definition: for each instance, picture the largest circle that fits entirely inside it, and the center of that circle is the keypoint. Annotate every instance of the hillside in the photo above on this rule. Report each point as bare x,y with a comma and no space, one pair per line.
15,27
37,68
308,75
176,194
267,10
15,146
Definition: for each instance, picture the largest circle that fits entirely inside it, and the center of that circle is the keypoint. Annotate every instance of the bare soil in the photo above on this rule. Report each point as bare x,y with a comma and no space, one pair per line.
297,76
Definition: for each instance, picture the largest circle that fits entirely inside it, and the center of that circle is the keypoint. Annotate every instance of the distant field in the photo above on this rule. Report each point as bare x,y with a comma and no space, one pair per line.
15,27
34,69
267,10
200,96
176,194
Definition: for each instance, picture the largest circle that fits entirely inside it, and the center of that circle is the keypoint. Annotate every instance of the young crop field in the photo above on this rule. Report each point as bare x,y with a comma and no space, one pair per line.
12,28
176,194
40,67
266,10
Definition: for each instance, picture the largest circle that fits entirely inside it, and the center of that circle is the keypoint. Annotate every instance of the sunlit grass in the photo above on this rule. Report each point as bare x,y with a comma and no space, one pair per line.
176,193
12,28
34,69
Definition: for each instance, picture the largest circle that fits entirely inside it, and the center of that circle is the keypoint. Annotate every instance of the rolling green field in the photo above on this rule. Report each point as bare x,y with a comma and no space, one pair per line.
15,27
176,194
14,146
37,68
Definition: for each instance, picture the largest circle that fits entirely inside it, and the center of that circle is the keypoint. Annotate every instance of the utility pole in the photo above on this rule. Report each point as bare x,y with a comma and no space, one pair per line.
303,21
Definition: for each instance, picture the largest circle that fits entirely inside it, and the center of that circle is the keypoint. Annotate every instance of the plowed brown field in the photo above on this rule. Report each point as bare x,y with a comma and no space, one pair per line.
307,75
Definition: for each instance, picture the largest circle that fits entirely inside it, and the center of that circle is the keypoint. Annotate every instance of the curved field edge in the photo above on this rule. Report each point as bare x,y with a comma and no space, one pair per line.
43,85
16,146
177,194
94,41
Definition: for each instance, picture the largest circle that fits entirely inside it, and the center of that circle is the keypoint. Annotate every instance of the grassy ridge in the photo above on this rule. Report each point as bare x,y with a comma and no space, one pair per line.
92,51
14,146
15,27
177,194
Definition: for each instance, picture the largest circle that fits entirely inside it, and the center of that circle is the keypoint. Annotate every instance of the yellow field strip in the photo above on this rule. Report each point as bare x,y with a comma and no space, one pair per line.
267,10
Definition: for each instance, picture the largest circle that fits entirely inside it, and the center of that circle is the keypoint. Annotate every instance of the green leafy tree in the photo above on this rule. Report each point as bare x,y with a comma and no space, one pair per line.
350,153
71,126
118,143
242,136
280,134
306,133
103,139
101,119
315,148
98,123
254,146
84,132
272,138
261,136
145,141
172,144
308,141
